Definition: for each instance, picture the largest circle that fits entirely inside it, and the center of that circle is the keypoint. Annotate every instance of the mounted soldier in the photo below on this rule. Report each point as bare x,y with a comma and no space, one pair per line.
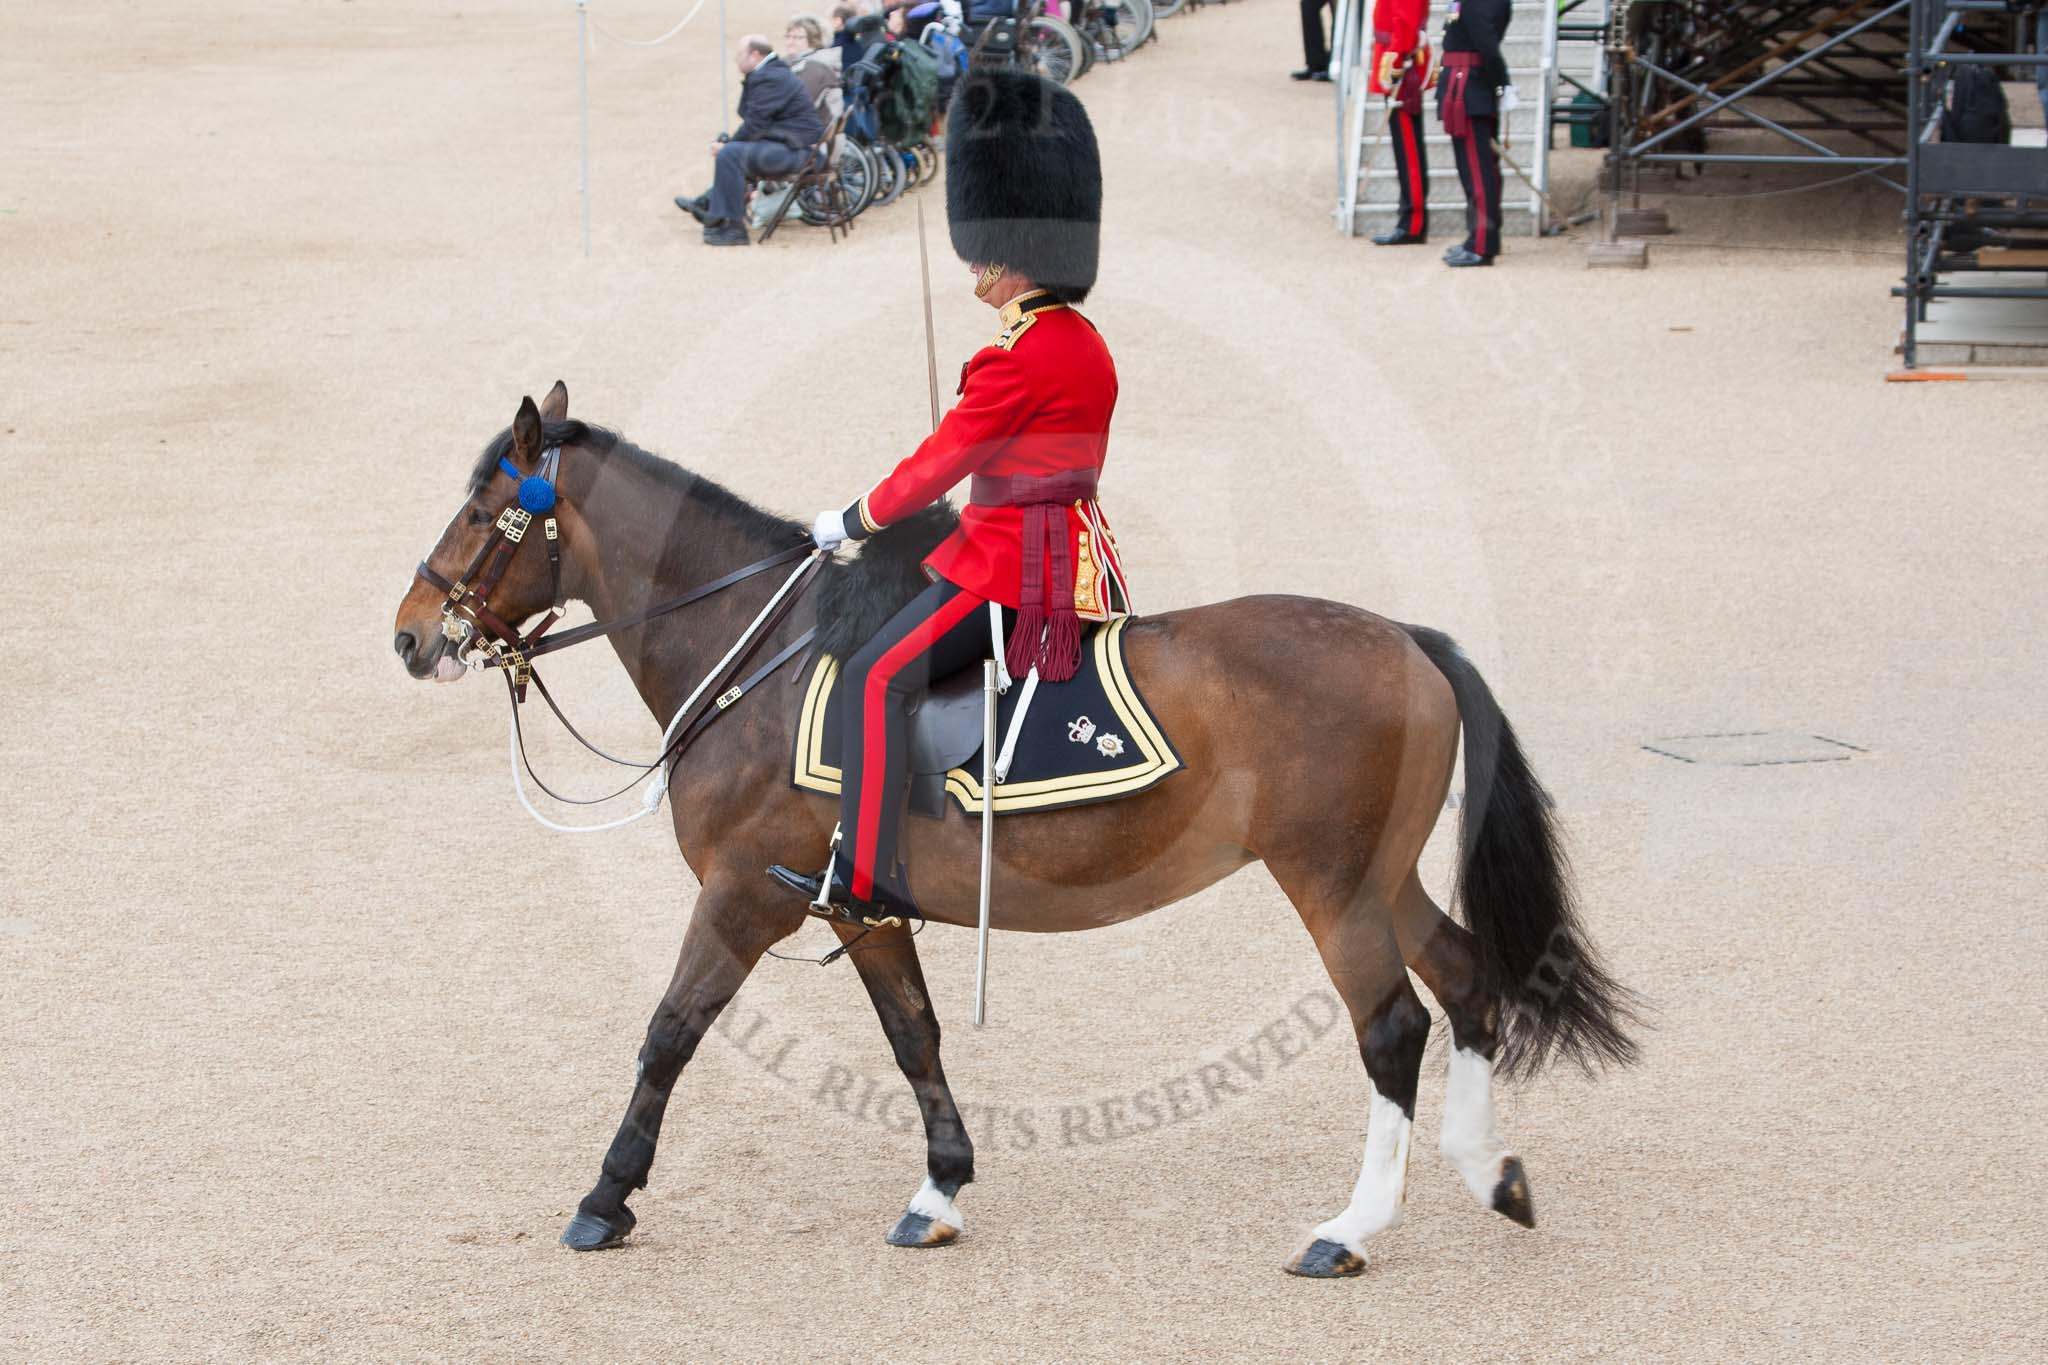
1316,738
1032,557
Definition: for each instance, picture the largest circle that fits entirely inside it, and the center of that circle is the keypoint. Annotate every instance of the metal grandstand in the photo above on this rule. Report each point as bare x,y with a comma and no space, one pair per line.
1857,86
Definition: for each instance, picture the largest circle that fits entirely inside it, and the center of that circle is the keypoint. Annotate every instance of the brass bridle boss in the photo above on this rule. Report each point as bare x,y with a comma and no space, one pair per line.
466,613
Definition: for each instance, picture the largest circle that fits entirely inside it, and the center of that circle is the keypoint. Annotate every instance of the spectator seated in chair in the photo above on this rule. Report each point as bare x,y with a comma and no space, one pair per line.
778,128
816,65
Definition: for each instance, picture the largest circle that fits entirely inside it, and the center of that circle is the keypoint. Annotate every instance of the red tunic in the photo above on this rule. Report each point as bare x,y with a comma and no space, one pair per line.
1397,30
1034,402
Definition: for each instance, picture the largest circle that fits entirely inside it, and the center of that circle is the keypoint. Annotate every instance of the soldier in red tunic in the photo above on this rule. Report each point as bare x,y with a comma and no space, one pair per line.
1400,72
1024,207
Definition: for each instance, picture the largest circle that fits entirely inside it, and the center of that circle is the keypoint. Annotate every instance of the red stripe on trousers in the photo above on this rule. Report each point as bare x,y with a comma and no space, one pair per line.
1417,192
1478,195
874,759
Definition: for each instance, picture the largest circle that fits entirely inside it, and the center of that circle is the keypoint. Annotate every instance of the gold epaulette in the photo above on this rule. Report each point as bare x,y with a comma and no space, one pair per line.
1007,338
1018,315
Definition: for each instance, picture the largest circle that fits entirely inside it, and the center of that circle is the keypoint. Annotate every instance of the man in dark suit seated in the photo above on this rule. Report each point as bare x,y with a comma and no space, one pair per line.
778,128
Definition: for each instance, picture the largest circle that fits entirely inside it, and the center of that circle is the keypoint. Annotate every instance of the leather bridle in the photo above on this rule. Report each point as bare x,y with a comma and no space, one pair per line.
482,639
466,611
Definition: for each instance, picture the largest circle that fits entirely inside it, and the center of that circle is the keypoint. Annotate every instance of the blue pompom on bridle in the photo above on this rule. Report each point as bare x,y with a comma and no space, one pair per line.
536,491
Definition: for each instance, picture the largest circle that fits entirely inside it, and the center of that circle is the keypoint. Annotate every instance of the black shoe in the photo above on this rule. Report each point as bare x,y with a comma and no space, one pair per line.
1401,237
726,234
1464,256
698,208
884,903
1310,73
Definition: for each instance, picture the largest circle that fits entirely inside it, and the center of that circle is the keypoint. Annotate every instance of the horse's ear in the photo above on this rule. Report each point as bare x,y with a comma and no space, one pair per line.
526,434
555,407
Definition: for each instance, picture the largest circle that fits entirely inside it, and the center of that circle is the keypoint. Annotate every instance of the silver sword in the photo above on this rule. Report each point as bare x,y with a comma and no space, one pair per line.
931,347
988,684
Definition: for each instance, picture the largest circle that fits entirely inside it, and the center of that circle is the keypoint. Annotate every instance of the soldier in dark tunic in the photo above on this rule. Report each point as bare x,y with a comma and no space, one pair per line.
1468,102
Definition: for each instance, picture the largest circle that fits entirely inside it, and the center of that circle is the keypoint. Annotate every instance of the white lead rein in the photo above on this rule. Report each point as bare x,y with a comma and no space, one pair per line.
657,783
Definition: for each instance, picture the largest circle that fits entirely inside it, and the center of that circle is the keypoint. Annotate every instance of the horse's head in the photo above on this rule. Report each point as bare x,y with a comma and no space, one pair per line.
494,566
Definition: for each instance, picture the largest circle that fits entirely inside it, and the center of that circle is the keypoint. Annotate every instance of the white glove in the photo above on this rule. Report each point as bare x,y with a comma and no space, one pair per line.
829,530
1510,100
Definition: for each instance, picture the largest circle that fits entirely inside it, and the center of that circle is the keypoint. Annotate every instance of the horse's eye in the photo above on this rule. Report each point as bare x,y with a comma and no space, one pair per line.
477,516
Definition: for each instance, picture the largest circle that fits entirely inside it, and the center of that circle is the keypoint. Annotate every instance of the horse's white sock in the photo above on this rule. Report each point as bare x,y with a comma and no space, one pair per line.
1382,1180
936,1205
1469,1141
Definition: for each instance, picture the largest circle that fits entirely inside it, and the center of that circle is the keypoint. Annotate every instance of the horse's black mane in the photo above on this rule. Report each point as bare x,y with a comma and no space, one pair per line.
715,498
856,597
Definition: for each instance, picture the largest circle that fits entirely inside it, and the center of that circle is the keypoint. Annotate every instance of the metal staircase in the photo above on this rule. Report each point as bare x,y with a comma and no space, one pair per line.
1976,212
1367,190
1578,55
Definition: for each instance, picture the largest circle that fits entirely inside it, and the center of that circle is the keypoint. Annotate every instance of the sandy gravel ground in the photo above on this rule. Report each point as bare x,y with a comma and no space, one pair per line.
280,1081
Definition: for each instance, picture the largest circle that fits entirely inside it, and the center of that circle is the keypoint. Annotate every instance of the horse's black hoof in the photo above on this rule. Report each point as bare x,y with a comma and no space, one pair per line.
1511,1195
589,1232
1326,1261
917,1230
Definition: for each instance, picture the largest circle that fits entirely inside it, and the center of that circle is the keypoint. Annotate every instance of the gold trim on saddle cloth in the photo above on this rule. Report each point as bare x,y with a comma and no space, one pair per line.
814,773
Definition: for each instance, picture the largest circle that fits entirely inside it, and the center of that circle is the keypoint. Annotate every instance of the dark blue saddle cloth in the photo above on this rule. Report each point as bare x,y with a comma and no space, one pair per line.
1085,740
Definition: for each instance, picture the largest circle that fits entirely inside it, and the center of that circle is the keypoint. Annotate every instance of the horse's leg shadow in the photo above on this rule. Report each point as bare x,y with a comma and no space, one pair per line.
888,966
728,933
1446,956
1355,936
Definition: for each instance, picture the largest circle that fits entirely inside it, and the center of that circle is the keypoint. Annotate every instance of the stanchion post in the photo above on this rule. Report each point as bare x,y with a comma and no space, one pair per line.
724,73
583,101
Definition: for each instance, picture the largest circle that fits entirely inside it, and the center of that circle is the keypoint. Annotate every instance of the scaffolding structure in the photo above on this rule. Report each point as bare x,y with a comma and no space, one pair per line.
1854,86
1976,210
1824,82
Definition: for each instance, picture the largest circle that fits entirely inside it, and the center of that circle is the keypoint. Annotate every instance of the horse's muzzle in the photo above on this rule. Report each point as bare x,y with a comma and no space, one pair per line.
419,659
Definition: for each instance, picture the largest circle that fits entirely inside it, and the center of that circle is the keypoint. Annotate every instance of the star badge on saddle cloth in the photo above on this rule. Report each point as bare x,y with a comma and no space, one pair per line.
1109,746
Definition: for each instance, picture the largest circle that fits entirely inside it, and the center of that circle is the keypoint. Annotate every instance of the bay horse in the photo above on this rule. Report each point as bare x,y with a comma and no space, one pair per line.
1316,737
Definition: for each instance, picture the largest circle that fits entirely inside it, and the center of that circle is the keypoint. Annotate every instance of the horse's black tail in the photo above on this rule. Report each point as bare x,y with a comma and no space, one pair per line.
1515,890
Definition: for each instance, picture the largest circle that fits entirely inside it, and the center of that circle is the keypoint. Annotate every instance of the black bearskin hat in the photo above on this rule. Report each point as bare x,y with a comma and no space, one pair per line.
1024,180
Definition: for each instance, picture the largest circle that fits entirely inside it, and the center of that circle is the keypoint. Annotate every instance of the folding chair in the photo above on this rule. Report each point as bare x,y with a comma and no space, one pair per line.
822,174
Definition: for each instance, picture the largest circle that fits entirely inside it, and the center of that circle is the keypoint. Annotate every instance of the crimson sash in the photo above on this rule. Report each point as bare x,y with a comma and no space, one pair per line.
1048,631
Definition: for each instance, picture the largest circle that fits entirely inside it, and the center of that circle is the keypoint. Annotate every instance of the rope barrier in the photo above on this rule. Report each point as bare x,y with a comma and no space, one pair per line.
648,42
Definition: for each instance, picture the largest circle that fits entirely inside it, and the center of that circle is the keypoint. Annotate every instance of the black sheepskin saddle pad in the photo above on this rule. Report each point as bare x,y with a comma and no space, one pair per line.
857,596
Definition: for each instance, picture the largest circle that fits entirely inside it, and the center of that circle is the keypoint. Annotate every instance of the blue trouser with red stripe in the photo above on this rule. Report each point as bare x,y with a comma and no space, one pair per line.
943,630
1411,165
1479,173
